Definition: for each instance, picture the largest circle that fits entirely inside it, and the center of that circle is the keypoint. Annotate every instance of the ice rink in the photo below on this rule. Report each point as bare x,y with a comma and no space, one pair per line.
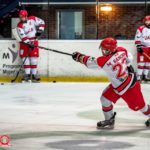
63,116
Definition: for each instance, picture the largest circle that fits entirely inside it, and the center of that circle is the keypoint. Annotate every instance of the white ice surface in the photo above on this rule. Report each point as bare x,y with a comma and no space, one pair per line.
57,116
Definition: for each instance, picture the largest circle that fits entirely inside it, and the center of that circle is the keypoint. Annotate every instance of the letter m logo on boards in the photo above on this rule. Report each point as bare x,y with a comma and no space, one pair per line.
14,55
6,56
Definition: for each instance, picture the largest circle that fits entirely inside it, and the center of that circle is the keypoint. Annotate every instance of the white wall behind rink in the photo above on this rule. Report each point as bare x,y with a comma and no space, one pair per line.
54,64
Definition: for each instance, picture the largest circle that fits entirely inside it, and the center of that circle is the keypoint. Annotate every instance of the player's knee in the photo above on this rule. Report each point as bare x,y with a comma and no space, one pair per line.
105,102
34,61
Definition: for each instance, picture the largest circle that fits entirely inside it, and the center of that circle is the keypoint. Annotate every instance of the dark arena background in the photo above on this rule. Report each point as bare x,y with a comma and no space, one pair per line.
61,111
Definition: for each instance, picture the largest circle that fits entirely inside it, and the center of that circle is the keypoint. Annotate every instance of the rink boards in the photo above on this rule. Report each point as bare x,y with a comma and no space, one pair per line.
54,66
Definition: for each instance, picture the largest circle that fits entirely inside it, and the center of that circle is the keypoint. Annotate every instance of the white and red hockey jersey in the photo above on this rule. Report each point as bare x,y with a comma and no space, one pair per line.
27,30
115,66
142,36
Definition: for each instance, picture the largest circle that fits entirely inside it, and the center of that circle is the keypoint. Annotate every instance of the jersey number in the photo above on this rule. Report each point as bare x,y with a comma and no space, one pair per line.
119,67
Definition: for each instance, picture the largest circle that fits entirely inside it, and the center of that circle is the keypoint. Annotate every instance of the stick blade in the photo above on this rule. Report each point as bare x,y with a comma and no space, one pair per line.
12,81
16,34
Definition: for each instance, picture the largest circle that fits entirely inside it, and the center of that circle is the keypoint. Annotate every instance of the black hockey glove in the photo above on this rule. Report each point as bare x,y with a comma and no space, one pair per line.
38,33
140,49
130,69
78,56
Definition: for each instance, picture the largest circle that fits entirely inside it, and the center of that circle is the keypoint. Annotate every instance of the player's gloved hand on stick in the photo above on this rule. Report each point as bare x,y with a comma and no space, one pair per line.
77,56
140,49
38,33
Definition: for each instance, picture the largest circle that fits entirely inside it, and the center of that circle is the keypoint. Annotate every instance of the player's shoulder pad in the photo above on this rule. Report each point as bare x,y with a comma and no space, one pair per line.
32,18
122,49
101,61
20,25
140,28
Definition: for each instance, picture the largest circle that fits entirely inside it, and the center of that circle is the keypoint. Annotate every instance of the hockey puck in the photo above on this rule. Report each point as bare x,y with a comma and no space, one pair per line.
54,81
2,83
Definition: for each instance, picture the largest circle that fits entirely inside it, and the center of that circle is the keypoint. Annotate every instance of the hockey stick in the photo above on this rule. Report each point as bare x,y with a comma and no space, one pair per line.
17,37
52,50
21,66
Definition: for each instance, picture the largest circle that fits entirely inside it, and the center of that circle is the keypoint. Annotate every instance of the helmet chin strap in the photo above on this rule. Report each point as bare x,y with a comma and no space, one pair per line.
106,52
148,26
24,21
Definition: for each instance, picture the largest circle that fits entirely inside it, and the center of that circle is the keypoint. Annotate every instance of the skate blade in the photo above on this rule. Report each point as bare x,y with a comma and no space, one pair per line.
145,82
106,127
27,81
35,81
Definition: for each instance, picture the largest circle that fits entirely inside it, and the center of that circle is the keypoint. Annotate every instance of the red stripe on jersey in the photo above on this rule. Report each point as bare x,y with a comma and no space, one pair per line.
137,42
146,67
85,59
107,108
33,38
33,66
140,67
42,25
124,84
148,111
25,38
26,66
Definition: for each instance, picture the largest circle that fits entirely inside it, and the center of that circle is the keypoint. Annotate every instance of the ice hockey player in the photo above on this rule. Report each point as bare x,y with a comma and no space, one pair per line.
116,62
30,29
142,42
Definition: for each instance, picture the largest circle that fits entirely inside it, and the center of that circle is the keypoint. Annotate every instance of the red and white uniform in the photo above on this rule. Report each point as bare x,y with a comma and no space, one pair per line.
115,66
123,84
27,31
142,37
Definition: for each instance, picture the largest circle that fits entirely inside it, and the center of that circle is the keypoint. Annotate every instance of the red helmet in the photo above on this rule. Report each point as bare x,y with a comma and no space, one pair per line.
146,18
23,13
109,44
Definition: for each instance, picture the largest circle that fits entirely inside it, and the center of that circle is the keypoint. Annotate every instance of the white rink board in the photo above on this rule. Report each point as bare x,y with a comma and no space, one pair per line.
53,64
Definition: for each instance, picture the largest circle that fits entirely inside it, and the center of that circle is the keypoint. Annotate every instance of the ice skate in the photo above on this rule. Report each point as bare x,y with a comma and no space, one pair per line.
145,79
147,123
35,79
107,124
26,78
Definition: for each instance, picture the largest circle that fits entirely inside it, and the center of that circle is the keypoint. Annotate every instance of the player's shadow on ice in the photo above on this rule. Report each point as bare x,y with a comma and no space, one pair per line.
98,133
88,145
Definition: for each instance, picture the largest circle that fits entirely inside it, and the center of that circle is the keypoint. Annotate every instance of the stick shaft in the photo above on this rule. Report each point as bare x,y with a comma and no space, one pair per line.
146,55
49,49
56,51
17,37
21,66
